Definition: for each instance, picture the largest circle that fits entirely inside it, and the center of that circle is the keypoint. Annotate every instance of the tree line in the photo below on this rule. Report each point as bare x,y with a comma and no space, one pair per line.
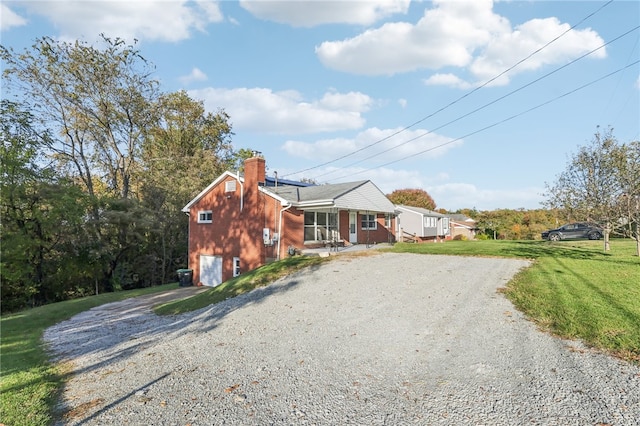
97,164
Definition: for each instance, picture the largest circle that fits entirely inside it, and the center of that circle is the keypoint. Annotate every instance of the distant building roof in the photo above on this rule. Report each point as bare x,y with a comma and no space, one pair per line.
420,210
460,218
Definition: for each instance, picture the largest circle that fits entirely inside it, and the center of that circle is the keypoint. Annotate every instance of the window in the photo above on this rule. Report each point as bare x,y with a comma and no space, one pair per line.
230,186
320,226
205,216
236,266
387,221
369,221
430,222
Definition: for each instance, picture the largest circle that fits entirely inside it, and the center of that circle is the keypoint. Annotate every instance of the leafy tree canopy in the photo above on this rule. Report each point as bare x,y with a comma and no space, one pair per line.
412,197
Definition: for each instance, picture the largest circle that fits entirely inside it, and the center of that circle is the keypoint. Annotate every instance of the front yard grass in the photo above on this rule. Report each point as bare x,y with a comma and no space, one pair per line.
574,289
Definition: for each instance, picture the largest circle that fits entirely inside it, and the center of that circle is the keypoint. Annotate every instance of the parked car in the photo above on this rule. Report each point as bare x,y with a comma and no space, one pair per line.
573,231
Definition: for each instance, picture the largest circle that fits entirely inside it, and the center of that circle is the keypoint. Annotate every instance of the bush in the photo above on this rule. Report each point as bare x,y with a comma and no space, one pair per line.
460,237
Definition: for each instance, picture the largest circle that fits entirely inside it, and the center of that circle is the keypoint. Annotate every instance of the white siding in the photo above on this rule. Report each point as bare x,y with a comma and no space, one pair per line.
366,197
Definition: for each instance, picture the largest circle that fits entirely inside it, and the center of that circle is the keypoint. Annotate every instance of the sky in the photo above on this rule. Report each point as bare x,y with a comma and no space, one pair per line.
480,103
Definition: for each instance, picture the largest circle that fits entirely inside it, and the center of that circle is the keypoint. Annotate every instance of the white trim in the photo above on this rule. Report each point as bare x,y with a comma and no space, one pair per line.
205,212
375,221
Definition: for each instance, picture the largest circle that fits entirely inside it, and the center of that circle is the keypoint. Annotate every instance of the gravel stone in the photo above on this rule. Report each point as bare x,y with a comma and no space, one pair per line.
388,339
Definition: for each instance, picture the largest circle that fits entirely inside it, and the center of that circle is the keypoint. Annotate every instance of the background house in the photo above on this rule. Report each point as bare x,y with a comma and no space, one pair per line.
463,226
421,225
241,222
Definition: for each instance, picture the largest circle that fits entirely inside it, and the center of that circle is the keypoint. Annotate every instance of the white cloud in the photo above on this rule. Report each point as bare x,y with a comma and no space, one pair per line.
10,19
446,35
466,35
448,79
312,13
195,75
507,49
391,144
141,19
454,196
286,112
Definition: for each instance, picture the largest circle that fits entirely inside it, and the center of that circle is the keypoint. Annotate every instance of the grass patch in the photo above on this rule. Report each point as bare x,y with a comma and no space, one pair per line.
242,284
574,289
29,383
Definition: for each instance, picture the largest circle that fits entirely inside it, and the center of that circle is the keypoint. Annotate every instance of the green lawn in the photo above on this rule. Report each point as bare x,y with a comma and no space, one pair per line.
573,289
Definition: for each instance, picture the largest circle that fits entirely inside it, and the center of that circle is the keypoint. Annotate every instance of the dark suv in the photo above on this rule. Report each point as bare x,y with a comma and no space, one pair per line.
572,231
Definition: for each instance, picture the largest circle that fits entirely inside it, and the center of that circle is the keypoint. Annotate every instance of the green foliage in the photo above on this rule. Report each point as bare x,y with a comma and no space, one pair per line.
121,160
507,224
412,197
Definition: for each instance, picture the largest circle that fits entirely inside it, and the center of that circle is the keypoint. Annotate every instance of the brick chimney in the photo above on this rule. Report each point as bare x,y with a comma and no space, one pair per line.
254,172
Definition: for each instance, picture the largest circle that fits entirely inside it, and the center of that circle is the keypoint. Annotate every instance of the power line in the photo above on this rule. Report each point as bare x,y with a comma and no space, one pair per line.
456,100
496,123
485,105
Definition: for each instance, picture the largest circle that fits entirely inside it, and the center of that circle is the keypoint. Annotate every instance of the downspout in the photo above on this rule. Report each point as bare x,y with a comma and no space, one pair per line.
241,191
280,228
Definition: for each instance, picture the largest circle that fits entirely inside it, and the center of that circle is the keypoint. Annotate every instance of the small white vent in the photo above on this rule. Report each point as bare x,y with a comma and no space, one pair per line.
230,186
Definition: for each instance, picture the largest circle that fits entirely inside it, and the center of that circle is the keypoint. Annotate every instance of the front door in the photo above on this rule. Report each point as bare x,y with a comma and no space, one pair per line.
210,270
353,226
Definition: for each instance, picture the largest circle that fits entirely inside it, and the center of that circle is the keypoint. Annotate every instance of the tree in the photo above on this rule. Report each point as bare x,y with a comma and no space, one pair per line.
40,212
99,101
628,205
412,197
592,188
98,104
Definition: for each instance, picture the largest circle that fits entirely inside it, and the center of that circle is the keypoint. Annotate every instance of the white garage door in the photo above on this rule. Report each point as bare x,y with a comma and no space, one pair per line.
210,270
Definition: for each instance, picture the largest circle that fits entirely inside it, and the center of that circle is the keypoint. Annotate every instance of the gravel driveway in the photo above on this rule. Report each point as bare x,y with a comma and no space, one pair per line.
386,339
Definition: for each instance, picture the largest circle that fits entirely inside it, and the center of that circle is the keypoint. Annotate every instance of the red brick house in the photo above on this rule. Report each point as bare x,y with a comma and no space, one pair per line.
241,222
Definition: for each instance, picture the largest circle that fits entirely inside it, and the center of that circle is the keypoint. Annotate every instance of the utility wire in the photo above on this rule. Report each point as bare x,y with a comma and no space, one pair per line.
456,100
496,123
485,105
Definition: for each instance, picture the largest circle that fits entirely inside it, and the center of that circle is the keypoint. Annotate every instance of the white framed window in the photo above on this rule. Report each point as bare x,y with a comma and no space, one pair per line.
205,216
320,226
369,221
236,266
230,186
387,221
